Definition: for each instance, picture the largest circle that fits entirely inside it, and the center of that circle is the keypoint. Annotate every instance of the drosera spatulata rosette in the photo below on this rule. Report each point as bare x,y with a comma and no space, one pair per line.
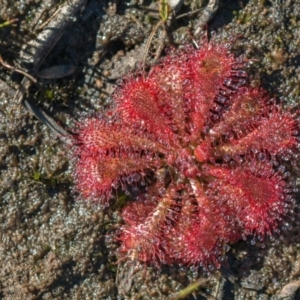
205,150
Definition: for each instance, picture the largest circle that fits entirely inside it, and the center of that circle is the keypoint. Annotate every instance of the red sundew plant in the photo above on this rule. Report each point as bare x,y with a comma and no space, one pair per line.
205,151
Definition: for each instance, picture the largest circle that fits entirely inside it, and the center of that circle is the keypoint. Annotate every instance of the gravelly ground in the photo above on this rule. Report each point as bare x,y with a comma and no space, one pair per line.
54,247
